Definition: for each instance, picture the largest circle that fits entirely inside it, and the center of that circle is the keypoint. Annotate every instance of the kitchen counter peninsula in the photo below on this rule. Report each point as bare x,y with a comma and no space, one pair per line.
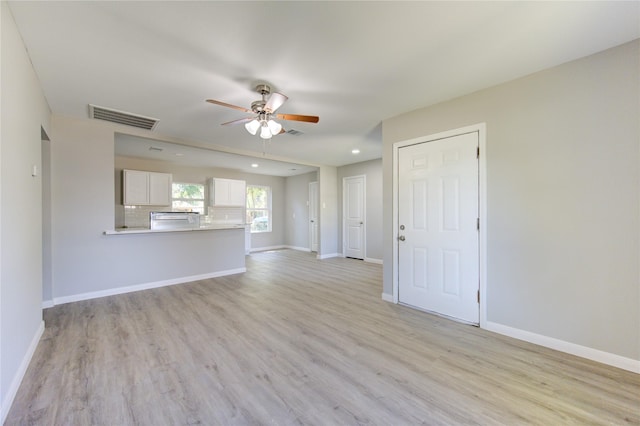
134,259
207,227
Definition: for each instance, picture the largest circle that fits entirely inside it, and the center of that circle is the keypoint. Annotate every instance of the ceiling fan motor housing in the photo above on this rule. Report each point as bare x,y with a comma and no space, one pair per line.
263,89
258,106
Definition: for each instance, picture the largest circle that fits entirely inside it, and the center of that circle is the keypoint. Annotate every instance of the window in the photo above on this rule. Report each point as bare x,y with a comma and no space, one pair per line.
187,197
259,208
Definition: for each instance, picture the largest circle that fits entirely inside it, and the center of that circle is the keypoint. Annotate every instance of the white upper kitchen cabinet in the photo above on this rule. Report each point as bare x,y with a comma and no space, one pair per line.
159,189
227,192
135,187
142,188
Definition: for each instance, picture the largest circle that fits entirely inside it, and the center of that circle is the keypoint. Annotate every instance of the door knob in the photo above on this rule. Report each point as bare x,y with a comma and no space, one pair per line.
401,238
361,223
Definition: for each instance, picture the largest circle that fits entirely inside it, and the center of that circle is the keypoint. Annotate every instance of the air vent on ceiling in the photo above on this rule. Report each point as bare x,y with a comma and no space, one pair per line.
294,132
121,117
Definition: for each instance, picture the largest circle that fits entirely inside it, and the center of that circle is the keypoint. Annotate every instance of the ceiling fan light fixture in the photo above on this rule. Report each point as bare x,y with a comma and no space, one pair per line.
265,133
263,110
274,127
252,126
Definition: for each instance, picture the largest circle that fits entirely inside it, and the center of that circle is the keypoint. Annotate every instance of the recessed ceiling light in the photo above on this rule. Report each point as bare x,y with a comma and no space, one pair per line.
355,151
179,154
254,165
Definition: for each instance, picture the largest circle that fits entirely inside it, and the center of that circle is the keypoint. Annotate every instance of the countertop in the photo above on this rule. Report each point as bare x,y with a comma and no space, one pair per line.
208,227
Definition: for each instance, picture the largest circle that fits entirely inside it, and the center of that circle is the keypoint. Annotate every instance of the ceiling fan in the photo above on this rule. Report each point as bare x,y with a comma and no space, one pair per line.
263,113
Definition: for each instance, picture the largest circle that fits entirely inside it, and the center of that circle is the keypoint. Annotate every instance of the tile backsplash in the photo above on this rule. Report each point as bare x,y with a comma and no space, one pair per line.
226,215
138,216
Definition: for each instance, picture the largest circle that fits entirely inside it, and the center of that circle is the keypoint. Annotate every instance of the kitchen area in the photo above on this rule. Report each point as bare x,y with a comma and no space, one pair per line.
152,202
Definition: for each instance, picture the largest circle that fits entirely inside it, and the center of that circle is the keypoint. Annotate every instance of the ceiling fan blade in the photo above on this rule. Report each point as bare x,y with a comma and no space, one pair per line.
224,104
275,101
238,121
296,117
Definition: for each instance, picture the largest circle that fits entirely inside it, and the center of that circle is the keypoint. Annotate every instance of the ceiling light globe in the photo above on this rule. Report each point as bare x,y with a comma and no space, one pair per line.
252,126
265,133
274,126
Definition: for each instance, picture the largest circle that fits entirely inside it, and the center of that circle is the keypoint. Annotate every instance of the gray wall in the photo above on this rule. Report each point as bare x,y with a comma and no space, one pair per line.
373,200
328,211
24,111
297,210
563,189
200,175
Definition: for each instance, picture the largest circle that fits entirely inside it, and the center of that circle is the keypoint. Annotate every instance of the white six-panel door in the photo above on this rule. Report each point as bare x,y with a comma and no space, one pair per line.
438,250
353,216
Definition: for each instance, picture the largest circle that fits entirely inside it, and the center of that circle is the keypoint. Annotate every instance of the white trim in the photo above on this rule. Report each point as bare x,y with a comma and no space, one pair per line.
327,256
567,347
47,304
145,286
394,223
372,260
387,297
481,129
482,212
22,369
306,249
267,248
364,214
309,205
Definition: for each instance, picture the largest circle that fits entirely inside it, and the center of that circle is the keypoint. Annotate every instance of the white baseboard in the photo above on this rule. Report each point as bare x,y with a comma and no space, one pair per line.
17,378
327,256
47,304
372,260
145,286
306,249
267,248
570,348
387,297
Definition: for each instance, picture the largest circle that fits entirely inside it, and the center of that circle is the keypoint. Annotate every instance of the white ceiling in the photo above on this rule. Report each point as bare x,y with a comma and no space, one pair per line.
185,155
353,64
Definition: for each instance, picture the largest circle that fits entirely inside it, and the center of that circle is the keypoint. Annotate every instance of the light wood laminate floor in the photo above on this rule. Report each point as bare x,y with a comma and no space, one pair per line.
297,340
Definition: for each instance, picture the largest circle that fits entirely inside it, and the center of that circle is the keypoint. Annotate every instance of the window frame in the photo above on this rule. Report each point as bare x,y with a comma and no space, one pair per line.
268,209
203,199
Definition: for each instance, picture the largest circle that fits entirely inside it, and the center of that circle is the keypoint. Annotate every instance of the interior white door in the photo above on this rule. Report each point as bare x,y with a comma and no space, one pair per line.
313,216
354,215
438,247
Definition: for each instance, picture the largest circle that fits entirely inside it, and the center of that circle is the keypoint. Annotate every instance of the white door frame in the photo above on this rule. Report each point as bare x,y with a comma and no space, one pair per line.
480,128
311,203
364,214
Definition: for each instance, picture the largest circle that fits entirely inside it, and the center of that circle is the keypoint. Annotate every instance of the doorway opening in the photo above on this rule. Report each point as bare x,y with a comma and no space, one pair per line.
45,168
